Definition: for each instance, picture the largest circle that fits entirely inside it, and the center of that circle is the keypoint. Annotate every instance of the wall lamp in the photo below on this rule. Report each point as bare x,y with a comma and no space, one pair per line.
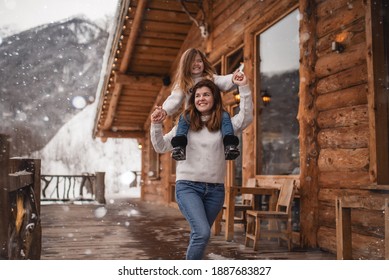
266,97
337,47
236,96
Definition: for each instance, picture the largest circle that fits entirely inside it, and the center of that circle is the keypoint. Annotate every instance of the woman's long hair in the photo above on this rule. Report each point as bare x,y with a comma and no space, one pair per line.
193,116
183,78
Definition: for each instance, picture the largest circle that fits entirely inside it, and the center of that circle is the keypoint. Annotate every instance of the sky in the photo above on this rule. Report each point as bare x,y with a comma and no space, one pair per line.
21,15
276,56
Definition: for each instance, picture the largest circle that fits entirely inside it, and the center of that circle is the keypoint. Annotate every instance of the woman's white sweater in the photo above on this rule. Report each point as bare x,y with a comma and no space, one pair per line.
205,160
174,101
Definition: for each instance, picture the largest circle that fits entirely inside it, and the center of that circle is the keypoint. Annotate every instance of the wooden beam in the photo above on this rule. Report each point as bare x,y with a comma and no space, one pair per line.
135,27
163,26
120,134
112,107
163,36
121,80
166,16
124,79
138,102
174,44
173,6
127,110
158,56
129,128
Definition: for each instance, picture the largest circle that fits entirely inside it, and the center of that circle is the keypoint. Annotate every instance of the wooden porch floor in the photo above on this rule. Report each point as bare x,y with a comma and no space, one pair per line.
129,229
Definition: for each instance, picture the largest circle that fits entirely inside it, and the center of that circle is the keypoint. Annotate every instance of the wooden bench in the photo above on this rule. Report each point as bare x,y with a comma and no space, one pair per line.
343,206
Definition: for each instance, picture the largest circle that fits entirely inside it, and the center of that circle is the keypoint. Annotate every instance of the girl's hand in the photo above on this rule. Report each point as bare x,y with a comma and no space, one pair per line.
239,78
159,115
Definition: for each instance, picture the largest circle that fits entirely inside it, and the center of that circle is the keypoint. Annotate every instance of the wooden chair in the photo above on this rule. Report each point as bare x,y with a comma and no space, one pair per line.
282,214
246,204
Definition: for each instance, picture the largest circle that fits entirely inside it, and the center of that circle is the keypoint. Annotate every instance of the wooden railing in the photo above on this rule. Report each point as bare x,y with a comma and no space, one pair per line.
70,188
20,200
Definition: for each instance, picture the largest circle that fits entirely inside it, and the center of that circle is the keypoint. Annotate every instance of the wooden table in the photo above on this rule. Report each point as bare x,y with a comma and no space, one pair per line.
231,193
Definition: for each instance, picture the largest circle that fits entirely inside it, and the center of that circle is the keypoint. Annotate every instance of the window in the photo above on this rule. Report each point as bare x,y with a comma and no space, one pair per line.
227,65
277,94
218,68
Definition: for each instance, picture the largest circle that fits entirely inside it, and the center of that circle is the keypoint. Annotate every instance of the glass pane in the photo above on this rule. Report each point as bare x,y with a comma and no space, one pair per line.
234,61
218,68
279,80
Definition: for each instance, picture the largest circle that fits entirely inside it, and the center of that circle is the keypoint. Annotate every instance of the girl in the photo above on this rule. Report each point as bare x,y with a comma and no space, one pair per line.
200,178
193,68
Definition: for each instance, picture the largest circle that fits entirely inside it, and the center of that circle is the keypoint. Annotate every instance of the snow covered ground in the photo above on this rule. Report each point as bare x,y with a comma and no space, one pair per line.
73,151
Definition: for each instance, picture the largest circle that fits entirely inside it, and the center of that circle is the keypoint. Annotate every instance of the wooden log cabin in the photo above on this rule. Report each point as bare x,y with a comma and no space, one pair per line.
319,74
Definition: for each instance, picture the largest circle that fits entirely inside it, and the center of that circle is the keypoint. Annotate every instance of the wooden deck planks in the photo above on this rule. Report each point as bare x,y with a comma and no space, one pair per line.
135,230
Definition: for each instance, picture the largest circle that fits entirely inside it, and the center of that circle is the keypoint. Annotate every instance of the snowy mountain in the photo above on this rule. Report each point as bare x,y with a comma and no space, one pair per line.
46,74
73,151
49,77
5,31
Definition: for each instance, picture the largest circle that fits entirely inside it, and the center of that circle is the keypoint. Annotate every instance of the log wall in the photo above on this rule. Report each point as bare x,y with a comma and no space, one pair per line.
344,122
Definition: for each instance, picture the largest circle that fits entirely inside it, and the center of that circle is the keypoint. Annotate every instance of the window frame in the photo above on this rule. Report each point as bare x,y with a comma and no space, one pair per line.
378,96
258,103
230,103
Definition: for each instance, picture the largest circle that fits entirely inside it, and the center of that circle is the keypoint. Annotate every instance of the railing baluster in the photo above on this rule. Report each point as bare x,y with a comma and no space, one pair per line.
73,185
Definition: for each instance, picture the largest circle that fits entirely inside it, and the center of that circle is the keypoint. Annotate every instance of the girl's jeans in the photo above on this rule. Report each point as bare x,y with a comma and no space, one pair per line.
226,125
200,203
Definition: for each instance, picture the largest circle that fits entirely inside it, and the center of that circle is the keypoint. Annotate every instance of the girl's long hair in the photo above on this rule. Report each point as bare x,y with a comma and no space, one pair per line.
183,78
193,116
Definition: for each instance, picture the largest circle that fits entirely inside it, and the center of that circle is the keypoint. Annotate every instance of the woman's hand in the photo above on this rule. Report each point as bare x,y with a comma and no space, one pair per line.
159,115
239,78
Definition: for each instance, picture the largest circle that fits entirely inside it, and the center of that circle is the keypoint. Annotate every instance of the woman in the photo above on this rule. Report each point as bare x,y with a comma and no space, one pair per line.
194,67
200,178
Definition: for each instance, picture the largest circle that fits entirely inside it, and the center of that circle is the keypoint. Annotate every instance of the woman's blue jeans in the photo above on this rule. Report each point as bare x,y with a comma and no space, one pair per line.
200,203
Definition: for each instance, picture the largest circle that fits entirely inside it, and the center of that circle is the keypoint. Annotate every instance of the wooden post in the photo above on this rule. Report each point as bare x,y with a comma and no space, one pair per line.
230,209
343,208
4,161
100,187
217,227
34,244
307,116
343,231
386,209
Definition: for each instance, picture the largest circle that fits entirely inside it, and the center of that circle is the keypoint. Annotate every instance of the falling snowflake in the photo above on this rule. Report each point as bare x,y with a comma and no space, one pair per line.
78,102
100,212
